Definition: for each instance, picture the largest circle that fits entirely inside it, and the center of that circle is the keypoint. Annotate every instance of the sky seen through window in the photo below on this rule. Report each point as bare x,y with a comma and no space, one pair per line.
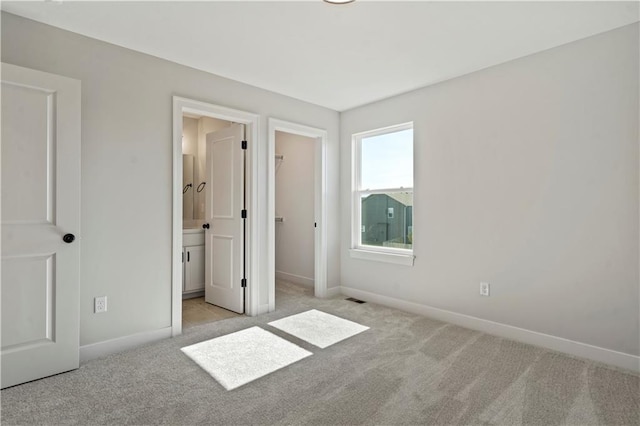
387,161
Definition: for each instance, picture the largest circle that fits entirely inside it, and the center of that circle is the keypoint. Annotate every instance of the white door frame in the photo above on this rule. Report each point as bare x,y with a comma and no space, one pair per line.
252,121
320,135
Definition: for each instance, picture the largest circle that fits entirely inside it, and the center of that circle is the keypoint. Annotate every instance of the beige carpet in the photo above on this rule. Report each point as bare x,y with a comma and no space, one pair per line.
405,369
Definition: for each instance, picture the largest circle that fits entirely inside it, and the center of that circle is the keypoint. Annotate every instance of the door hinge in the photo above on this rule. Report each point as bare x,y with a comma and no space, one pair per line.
244,214
243,282
315,224
244,144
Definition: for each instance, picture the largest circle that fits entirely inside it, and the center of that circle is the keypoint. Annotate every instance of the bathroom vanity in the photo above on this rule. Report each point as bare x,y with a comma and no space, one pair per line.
192,262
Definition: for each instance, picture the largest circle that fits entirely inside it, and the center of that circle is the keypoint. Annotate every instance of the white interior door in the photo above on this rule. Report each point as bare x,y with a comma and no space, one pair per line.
40,207
224,238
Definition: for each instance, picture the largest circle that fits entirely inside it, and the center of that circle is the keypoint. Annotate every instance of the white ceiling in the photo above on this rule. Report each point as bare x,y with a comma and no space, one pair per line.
337,56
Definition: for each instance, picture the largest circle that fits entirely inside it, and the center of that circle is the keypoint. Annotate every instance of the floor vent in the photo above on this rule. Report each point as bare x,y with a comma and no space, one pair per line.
351,299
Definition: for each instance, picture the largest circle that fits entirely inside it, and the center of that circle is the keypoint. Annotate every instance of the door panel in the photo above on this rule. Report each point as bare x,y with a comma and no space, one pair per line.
40,204
222,178
28,194
222,261
31,282
224,240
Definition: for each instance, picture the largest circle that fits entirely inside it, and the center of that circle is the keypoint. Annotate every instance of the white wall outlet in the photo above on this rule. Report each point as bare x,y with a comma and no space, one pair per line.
484,289
100,304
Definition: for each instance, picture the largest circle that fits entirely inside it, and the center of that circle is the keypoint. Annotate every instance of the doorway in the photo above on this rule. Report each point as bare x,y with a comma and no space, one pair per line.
192,122
198,305
295,212
308,146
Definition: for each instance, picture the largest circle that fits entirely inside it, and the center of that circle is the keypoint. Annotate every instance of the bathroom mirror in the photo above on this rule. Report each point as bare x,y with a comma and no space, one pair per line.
188,188
194,147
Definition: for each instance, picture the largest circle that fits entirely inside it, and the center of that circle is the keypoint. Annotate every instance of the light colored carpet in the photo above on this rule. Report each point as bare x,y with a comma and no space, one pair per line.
244,356
318,328
405,370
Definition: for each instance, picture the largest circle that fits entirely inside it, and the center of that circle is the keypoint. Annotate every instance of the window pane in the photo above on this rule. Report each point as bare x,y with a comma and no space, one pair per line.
387,220
387,161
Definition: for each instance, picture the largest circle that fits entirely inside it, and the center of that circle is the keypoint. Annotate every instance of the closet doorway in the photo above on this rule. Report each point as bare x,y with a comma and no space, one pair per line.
297,209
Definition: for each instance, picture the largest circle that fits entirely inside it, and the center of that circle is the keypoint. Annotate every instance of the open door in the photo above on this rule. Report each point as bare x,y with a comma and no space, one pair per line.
40,224
224,211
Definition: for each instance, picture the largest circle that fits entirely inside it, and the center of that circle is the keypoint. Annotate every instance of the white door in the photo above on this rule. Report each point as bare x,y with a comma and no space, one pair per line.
40,207
224,239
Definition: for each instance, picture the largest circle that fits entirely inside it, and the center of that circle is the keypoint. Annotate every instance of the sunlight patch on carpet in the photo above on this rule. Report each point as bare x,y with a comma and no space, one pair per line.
241,357
318,328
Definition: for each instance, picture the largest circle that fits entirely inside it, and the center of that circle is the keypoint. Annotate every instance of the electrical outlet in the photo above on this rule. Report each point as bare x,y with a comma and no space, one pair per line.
484,289
100,304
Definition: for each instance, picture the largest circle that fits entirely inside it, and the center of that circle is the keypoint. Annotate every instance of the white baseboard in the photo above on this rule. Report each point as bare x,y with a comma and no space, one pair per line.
263,309
296,279
583,350
333,291
192,295
108,347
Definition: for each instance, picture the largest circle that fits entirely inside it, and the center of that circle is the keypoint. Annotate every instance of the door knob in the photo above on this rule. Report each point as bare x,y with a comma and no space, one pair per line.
68,238
205,226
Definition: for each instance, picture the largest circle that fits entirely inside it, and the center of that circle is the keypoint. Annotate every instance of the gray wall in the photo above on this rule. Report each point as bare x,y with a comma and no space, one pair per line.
126,166
526,176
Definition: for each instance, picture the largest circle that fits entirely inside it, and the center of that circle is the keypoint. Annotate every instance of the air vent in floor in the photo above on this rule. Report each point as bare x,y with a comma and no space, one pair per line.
351,299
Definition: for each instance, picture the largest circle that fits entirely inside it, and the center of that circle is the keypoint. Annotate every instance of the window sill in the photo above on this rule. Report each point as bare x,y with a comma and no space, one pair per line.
377,256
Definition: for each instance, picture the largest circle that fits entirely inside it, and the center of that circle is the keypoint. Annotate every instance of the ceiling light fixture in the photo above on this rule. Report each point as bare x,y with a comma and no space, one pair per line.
339,1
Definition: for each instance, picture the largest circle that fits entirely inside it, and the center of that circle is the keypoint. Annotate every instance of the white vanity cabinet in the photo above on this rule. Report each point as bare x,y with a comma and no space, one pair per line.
192,261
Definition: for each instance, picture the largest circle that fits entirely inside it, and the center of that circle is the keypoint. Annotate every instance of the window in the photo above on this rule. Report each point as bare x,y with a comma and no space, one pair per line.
383,192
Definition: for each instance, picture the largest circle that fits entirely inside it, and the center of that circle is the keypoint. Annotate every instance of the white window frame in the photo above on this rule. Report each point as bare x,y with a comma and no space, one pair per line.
359,250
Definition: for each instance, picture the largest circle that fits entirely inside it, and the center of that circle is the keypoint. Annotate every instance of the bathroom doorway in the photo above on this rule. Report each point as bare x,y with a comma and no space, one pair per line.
194,125
195,309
